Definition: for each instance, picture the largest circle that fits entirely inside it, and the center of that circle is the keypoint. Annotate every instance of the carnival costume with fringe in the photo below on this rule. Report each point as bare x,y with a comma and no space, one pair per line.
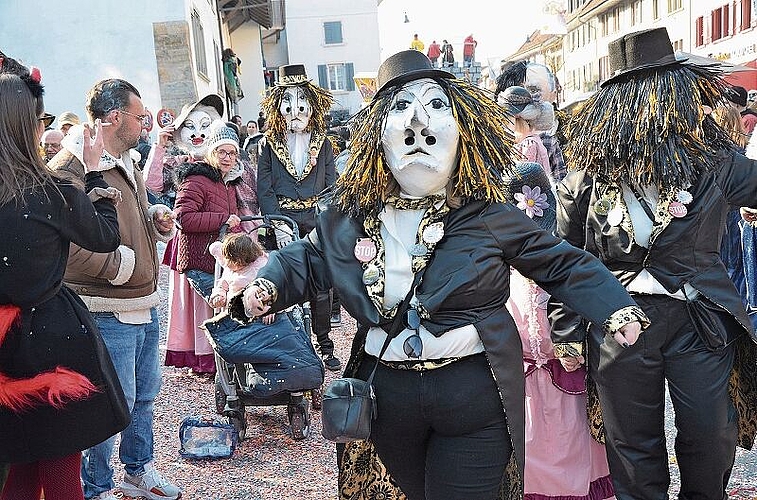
467,263
646,131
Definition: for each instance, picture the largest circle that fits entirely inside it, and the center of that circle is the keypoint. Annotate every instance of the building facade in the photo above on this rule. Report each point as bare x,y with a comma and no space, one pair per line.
720,29
170,50
334,40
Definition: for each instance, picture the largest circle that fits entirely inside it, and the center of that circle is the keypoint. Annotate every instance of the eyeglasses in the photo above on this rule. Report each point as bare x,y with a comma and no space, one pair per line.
222,155
47,119
413,345
141,118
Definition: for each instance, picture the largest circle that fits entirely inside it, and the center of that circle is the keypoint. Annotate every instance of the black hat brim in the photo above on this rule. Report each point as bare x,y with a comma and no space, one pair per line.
410,76
664,62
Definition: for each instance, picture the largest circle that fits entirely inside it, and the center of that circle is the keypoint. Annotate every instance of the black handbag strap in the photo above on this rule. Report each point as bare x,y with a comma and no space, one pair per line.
397,325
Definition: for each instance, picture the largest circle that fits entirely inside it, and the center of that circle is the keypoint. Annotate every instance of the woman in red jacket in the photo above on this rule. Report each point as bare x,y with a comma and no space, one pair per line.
206,200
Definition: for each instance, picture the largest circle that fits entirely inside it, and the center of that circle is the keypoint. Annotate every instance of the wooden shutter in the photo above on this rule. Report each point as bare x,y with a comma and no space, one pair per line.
323,79
350,69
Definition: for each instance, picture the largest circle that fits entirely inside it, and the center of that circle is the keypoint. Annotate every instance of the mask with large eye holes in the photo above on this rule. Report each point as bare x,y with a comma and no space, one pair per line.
194,132
295,108
420,138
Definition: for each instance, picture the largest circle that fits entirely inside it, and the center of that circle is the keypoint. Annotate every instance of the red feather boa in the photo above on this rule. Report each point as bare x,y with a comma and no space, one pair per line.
55,387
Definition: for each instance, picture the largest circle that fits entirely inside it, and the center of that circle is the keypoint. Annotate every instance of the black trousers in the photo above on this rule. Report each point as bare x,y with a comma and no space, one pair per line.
320,306
631,387
442,434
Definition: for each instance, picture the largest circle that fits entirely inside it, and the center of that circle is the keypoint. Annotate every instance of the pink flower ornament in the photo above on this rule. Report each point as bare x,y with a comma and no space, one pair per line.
532,201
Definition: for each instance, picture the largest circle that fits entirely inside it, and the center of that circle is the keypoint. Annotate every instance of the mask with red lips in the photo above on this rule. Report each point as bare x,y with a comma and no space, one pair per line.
196,129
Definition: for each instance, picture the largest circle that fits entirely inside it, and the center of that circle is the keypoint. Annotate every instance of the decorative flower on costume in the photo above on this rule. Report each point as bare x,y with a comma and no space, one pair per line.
532,201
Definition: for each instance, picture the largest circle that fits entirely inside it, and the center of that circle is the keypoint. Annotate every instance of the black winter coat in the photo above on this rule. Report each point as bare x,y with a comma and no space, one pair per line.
56,329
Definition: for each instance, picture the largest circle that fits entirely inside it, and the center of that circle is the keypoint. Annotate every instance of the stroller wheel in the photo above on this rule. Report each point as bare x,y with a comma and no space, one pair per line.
220,397
299,419
316,398
238,419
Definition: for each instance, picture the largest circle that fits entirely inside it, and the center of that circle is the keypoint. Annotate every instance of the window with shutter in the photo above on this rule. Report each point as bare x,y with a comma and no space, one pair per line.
332,32
746,14
699,31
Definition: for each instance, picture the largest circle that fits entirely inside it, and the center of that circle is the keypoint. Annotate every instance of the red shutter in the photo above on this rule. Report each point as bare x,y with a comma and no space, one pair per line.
746,14
699,31
726,20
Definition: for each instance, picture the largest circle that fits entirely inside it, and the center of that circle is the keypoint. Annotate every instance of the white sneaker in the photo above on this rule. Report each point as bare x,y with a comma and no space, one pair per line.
105,495
151,485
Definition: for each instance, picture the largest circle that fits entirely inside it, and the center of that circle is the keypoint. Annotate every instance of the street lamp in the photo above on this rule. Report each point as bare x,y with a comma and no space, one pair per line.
406,19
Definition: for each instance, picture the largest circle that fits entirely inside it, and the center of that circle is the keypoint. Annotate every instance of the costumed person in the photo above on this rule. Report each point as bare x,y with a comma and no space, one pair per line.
538,78
231,65
185,140
530,116
654,177
423,196
562,458
448,54
59,392
296,163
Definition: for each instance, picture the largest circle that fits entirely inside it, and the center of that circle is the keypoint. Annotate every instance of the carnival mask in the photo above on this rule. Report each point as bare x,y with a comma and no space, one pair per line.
195,130
295,109
420,138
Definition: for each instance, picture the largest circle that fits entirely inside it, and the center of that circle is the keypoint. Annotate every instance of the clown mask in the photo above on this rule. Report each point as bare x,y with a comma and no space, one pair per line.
195,130
420,138
295,109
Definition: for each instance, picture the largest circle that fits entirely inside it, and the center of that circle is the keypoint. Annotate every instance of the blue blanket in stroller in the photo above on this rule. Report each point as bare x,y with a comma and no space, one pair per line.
281,354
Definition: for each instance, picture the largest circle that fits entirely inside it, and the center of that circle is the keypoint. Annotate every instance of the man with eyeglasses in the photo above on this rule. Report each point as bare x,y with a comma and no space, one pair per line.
120,289
51,143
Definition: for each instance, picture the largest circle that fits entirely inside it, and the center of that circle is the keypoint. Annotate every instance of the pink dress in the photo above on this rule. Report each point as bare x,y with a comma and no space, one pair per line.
533,150
186,344
563,461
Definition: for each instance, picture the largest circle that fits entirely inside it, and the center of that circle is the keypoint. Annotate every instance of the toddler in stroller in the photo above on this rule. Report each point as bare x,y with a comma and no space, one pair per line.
263,363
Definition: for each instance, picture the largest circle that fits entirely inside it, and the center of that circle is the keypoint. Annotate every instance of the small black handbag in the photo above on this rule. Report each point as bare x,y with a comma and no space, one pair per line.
349,404
711,322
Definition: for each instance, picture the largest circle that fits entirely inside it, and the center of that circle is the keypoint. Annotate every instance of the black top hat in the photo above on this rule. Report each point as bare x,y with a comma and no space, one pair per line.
292,75
213,100
404,67
639,51
532,175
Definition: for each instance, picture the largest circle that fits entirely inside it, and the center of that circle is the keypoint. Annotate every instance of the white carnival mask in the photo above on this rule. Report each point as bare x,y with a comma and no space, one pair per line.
194,132
295,108
420,138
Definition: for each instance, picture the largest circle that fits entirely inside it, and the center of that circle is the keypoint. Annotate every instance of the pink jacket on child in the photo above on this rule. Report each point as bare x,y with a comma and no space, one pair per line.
232,282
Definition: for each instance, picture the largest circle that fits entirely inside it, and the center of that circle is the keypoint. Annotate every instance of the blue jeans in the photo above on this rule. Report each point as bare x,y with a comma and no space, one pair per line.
134,351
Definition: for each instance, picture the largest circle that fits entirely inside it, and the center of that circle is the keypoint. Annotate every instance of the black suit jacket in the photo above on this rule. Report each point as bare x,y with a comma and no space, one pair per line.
275,179
466,282
681,250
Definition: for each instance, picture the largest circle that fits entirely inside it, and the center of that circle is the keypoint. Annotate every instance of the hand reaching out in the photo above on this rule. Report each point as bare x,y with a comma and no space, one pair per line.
256,301
233,220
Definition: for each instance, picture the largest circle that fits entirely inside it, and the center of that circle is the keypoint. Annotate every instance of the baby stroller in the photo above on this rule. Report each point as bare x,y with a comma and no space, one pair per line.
266,365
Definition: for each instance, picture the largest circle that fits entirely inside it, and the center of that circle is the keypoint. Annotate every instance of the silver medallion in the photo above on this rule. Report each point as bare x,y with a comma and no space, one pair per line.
371,275
418,250
433,233
615,216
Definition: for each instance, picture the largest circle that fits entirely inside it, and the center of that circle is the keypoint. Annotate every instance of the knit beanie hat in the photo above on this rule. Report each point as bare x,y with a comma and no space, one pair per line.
222,134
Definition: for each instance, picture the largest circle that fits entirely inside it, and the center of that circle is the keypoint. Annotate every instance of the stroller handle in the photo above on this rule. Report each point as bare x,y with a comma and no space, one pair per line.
266,222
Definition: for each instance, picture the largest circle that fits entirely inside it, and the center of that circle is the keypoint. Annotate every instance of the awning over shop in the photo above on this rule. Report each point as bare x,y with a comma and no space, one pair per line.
746,78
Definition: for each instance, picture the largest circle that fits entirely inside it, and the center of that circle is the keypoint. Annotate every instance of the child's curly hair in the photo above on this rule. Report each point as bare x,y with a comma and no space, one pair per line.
240,249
